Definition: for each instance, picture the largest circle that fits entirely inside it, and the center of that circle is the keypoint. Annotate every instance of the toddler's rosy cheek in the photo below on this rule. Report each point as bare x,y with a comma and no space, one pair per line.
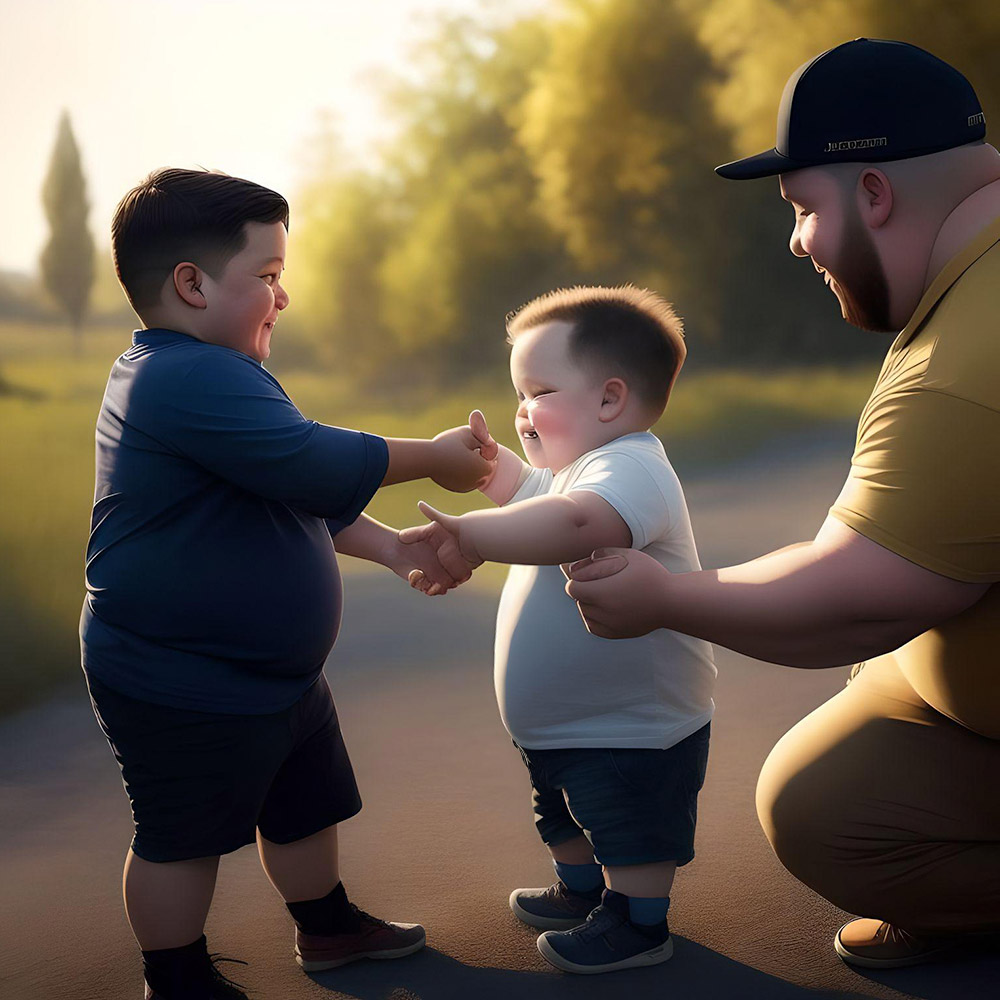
549,420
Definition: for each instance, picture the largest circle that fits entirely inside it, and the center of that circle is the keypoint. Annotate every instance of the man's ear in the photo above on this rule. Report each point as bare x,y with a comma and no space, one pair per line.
187,283
614,399
874,197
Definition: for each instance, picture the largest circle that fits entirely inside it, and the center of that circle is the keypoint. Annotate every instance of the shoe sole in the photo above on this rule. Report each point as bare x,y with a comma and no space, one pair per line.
652,957
543,923
886,963
319,965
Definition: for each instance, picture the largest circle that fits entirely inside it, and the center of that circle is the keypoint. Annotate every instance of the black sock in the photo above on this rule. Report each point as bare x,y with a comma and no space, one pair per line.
179,972
330,915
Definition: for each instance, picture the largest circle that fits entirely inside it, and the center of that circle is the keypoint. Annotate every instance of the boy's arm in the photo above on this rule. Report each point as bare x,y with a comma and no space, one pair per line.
541,531
455,459
369,539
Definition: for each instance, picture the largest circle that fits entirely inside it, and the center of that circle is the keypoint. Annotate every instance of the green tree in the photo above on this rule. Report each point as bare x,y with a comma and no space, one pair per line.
623,139
67,260
471,243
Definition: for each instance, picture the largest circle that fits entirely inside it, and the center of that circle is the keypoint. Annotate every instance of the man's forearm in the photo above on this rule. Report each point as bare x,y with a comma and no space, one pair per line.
784,609
541,531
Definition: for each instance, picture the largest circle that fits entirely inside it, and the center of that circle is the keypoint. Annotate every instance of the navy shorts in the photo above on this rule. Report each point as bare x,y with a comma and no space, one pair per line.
202,783
635,806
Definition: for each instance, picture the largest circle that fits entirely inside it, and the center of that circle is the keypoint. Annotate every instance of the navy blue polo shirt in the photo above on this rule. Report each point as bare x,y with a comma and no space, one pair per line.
212,581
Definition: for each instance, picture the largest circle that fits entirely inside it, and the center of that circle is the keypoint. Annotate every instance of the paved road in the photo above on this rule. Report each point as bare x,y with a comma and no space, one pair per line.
446,831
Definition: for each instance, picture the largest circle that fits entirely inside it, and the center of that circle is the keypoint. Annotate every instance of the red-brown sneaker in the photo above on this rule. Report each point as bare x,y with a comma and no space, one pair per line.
877,944
373,938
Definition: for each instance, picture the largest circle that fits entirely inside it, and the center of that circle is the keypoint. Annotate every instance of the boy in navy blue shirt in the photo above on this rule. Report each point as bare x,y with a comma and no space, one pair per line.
213,594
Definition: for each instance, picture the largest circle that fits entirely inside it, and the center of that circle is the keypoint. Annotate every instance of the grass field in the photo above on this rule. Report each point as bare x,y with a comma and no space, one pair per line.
47,417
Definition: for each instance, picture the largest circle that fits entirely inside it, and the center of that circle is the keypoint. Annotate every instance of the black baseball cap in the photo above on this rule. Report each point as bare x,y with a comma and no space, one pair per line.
868,100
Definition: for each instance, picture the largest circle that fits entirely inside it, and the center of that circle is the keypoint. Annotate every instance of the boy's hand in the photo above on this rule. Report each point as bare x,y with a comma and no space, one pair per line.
443,536
428,570
466,458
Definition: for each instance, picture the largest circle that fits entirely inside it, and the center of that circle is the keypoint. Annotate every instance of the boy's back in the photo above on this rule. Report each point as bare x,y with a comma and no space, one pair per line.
559,686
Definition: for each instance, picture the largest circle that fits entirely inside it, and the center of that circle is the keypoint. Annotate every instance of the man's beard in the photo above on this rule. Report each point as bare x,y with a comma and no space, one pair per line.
861,278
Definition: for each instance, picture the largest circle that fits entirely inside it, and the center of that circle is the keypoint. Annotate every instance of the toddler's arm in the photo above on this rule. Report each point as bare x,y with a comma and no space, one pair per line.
509,472
545,530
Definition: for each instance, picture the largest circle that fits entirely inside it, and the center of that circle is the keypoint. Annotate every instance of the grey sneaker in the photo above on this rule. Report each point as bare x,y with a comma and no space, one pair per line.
607,942
556,908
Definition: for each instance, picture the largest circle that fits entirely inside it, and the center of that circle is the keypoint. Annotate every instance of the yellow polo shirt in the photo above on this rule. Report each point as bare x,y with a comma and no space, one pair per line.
925,475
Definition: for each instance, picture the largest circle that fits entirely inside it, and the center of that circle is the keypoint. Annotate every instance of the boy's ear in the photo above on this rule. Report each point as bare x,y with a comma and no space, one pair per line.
614,399
187,283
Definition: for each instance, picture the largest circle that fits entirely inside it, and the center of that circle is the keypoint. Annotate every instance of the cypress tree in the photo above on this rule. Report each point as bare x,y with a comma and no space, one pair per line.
67,261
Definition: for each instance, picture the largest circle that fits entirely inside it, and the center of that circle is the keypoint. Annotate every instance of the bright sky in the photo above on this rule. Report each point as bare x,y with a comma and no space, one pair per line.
237,85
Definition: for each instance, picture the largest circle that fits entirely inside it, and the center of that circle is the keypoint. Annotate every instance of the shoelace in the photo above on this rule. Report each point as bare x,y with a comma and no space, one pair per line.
363,916
896,935
218,976
600,921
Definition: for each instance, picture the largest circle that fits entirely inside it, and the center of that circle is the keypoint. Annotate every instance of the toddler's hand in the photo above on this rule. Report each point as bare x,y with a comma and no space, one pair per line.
442,535
427,569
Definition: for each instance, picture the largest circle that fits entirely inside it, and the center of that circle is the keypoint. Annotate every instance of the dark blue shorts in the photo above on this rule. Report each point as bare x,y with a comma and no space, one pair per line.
635,806
202,783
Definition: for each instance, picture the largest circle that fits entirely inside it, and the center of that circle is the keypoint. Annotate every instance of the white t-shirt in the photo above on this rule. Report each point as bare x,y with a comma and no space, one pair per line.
559,686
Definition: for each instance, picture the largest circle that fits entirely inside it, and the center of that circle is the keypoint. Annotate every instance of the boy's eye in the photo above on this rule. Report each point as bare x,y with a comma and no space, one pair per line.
266,276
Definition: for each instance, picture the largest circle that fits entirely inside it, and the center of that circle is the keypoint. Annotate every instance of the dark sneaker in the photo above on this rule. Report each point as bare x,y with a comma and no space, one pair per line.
877,944
371,938
556,908
607,942
216,986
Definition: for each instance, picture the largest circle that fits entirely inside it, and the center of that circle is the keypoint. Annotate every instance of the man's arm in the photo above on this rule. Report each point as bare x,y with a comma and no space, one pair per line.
541,531
839,599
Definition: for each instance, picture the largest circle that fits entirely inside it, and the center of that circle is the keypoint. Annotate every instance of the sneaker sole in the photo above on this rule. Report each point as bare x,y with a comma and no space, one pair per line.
886,963
654,956
319,965
542,923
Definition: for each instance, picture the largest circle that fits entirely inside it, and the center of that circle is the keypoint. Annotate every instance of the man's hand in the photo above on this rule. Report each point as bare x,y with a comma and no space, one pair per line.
619,592
442,535
466,456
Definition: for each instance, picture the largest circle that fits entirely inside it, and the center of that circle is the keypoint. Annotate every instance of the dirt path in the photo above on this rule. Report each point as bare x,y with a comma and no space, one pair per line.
446,831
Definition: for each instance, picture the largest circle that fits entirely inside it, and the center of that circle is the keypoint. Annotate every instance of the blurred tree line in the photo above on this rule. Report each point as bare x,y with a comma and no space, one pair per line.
575,146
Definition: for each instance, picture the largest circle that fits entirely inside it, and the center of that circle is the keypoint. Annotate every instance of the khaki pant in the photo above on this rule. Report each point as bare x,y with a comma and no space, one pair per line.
887,808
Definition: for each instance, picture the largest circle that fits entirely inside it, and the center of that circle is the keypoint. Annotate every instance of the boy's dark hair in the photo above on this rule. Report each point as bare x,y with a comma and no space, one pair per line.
177,214
626,330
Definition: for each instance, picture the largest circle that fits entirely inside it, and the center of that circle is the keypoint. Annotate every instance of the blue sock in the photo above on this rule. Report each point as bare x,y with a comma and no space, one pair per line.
648,911
580,878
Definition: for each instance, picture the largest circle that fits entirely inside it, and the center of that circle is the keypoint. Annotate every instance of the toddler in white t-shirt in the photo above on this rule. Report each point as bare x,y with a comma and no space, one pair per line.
614,733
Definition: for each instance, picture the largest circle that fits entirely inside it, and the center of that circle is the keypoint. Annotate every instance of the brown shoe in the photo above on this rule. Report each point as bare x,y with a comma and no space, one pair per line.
373,938
877,944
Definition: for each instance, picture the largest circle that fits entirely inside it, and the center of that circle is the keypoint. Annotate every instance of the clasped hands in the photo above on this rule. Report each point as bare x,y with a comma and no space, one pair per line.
434,563
630,604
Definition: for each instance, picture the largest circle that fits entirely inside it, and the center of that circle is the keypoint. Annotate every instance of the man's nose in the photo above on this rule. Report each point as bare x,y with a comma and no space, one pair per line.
795,244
